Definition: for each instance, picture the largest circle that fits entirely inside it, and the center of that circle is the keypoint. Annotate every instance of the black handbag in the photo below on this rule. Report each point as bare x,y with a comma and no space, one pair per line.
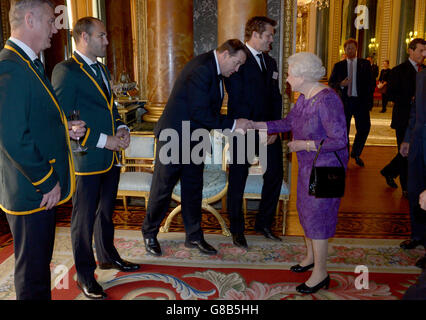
327,182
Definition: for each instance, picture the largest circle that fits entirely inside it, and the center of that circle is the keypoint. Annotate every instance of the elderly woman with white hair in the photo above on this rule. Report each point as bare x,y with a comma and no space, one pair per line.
317,115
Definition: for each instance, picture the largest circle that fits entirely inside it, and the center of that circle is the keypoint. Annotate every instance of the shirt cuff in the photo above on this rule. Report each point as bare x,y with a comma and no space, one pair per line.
123,126
102,141
233,127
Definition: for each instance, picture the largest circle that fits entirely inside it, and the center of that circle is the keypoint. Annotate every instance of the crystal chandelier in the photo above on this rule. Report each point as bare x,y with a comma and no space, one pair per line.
320,4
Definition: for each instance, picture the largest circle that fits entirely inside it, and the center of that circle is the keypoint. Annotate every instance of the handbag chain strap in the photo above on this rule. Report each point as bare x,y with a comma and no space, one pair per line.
319,148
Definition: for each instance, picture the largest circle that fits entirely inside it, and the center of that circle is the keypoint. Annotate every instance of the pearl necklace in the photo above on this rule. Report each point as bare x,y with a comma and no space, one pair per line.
308,96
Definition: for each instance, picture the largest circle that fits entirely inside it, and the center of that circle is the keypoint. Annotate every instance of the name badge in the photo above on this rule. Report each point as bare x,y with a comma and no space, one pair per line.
275,75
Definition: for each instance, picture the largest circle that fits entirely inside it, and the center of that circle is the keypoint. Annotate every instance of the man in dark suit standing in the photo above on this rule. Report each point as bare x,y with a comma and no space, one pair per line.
352,78
384,82
401,90
417,176
36,169
253,93
83,83
414,146
195,100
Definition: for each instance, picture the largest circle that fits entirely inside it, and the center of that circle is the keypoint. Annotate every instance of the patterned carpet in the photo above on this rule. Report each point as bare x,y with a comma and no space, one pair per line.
259,273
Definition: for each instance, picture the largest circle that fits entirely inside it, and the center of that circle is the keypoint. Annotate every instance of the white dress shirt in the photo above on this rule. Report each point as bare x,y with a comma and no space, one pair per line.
28,51
221,84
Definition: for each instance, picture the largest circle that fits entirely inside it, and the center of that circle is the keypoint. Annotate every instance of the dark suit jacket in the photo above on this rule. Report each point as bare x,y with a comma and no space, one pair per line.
249,96
401,90
35,152
76,88
195,98
364,81
416,131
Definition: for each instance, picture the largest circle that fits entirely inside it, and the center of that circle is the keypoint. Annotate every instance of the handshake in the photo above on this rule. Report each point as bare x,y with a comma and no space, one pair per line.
242,125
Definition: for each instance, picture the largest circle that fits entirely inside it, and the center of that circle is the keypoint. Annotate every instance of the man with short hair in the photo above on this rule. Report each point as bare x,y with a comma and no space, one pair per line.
36,169
401,90
253,93
352,79
196,98
83,83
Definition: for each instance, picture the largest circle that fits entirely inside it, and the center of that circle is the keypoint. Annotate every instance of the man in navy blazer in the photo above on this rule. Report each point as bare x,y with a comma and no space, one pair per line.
401,90
414,146
196,100
253,93
356,88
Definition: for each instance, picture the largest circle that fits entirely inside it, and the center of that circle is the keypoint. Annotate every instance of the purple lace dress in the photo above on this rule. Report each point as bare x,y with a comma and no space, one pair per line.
321,117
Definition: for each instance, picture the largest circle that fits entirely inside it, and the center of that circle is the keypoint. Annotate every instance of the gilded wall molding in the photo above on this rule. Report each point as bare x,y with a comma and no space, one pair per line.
5,26
385,28
140,45
288,8
394,31
419,19
335,28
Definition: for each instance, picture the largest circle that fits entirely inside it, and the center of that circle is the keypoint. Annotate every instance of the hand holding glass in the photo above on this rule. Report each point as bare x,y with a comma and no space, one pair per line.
75,116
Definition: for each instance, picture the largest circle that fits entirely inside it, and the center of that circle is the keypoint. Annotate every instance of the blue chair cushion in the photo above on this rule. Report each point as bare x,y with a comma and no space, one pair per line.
255,182
135,181
214,181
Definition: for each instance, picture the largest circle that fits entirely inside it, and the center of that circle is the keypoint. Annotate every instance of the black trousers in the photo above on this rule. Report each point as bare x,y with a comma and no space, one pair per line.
272,181
164,180
354,107
416,185
33,240
399,164
385,100
93,207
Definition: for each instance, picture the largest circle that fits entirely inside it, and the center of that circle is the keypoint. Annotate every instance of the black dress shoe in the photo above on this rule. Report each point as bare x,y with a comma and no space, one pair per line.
201,245
92,290
152,246
239,240
410,244
303,288
421,263
122,265
298,268
267,233
389,180
359,161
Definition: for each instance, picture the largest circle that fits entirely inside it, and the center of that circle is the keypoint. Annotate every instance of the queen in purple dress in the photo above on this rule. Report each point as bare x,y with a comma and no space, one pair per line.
317,115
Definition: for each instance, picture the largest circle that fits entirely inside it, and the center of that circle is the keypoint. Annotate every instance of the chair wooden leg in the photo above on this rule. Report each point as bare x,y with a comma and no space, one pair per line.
245,206
169,219
224,208
225,230
126,210
284,209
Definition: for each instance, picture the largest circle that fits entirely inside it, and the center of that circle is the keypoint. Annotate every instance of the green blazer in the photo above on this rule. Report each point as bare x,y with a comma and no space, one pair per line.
76,88
34,143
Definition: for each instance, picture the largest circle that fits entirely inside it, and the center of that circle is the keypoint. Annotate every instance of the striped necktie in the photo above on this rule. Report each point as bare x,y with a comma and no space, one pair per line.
99,78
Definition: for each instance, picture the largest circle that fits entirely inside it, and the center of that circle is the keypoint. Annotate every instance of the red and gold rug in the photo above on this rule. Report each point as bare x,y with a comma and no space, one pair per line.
259,273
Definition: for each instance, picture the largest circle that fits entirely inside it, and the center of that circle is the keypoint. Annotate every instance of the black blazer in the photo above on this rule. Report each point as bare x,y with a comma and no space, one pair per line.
252,97
401,90
365,83
196,98
416,131
384,75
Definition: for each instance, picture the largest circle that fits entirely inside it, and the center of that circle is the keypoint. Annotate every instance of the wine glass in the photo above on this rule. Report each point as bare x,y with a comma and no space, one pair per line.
75,116
120,163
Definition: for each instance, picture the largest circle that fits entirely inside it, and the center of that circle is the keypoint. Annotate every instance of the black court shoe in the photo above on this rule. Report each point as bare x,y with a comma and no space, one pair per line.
299,269
303,288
